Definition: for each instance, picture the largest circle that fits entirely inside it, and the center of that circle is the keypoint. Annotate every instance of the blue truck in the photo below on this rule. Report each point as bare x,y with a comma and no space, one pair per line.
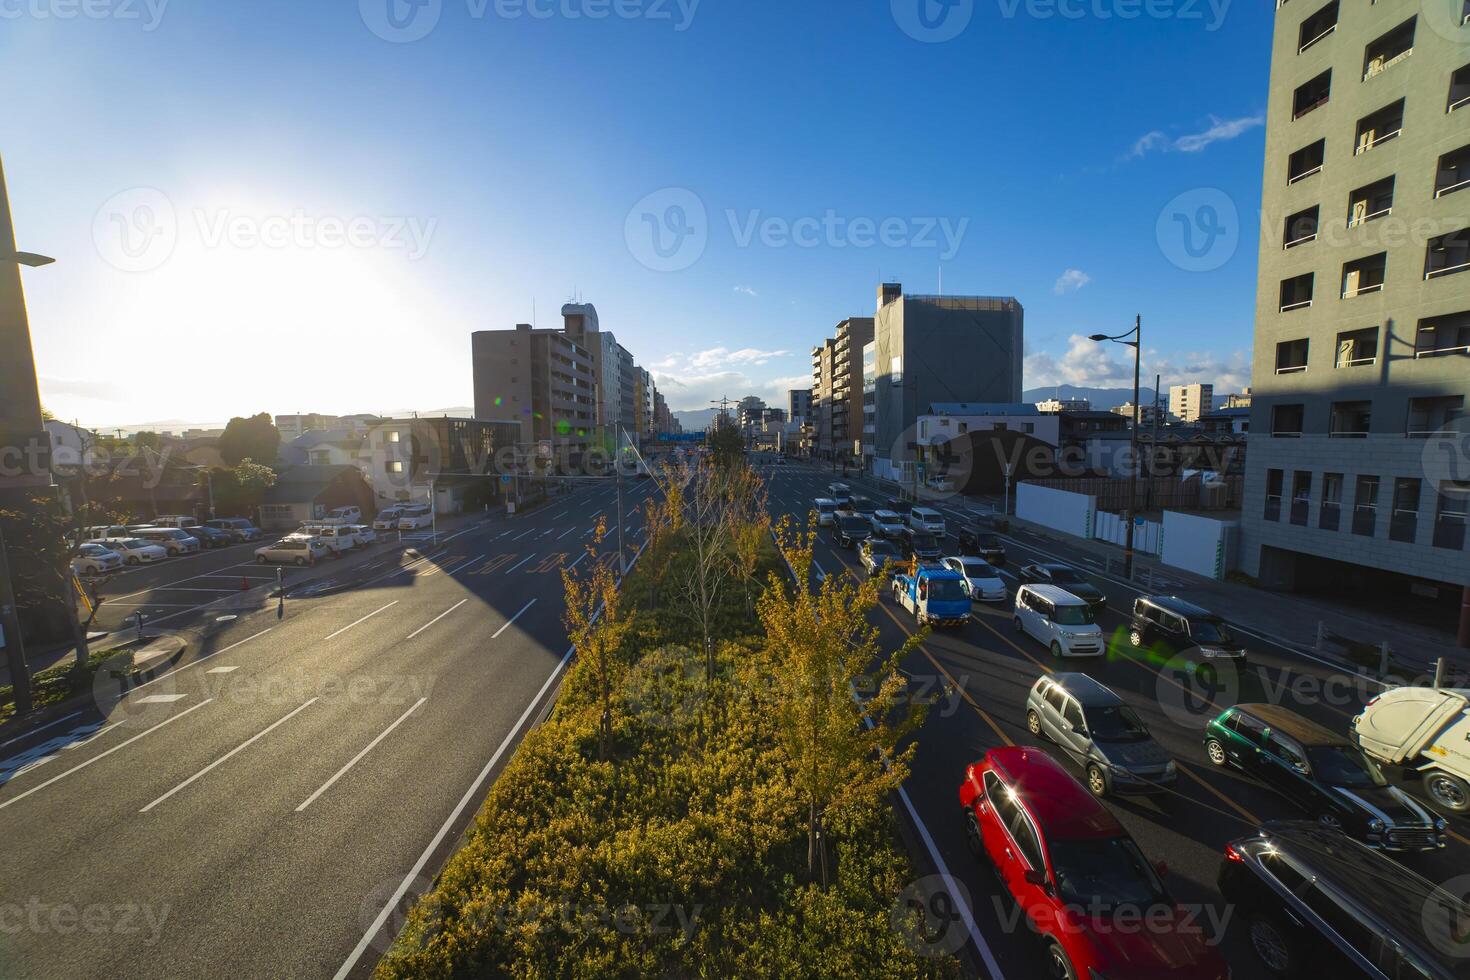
933,595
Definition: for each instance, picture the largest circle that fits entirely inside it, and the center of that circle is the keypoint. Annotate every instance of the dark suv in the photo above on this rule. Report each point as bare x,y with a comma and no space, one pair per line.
976,539
1324,774
923,545
851,529
1317,904
1175,626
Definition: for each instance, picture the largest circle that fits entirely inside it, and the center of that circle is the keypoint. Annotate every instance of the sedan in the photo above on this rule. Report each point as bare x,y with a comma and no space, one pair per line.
1068,578
136,551
981,580
94,559
209,537
293,550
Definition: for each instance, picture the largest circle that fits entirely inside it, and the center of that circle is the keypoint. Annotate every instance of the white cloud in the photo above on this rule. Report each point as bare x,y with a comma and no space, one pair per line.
715,358
1071,281
1218,131
698,391
1088,364
746,290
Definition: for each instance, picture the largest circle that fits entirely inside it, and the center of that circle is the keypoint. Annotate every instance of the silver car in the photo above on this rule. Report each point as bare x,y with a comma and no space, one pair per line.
1102,734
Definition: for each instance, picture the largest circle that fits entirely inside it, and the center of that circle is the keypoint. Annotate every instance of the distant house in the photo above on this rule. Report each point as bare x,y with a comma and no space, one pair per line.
306,493
336,447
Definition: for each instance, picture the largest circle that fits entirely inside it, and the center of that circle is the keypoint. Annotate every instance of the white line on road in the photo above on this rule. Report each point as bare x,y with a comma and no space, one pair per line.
362,620
524,533
358,758
561,515
565,533
438,617
223,670
463,565
464,801
242,746
512,619
578,561
103,755
519,564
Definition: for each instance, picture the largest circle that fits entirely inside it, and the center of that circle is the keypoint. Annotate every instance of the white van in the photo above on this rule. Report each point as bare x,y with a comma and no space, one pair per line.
338,538
1426,729
179,521
826,511
924,519
1059,620
343,515
415,517
387,518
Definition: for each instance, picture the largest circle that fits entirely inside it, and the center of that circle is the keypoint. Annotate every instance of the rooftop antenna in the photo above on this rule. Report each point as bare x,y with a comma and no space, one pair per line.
941,279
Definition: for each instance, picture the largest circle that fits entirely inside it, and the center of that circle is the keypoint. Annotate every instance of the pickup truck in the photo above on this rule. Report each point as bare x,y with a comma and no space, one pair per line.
933,595
1425,729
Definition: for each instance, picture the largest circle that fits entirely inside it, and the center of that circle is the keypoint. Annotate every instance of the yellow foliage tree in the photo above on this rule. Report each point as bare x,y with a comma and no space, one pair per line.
596,625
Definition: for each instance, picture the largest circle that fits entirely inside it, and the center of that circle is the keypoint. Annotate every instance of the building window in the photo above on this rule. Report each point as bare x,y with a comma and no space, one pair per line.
393,436
1330,514
1300,228
1449,519
1447,254
1306,161
1453,173
1370,201
1428,416
1459,89
1365,506
1286,420
1301,496
1364,275
1275,480
1404,522
1316,27
1291,356
1296,292
1351,420
1311,95
1442,335
1357,348
1389,50
393,466
1379,127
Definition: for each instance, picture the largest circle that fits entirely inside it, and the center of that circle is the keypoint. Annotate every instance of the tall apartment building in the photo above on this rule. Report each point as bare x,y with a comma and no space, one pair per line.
799,403
1189,402
870,404
613,367
1362,350
821,417
295,426
544,379
847,386
932,349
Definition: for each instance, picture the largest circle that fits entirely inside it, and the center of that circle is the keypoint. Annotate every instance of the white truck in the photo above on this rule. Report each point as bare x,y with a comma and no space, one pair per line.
1425,729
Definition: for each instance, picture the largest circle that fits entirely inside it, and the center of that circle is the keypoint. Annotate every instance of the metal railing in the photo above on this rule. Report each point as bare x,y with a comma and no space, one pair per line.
1432,273
1369,217
1314,40
1436,352
1291,369
1458,103
1347,434
1295,306
1300,241
1371,288
1304,176
1315,105
1287,434
1362,148
1442,191
1357,361
1383,66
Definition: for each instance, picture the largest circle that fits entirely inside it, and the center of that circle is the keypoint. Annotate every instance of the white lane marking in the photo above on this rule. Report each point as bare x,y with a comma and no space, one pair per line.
524,533
362,620
358,758
512,619
565,533
161,699
230,754
578,561
561,515
103,755
40,728
224,670
464,801
519,564
821,573
438,617
463,565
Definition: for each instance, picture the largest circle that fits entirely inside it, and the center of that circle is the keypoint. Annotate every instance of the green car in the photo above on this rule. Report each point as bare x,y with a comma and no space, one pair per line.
1322,773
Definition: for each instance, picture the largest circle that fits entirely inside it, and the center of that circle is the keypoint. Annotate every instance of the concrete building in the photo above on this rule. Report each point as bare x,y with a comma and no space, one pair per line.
544,379
1189,402
1057,405
932,349
1242,400
463,460
870,404
292,427
1143,414
799,403
821,416
1353,479
847,386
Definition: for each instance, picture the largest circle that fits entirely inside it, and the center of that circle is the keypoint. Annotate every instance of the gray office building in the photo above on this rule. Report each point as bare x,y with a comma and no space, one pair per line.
1362,350
931,349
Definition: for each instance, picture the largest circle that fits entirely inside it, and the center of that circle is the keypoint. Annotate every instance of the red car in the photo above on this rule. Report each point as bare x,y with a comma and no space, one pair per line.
1097,903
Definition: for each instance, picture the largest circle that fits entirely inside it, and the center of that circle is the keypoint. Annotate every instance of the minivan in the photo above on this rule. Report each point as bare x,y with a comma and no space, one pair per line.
1101,733
179,521
924,519
1177,626
170,539
238,528
1058,620
924,546
387,518
337,537
414,517
826,509
343,515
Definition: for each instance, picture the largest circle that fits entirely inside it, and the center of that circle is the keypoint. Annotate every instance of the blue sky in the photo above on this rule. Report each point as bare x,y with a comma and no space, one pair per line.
277,183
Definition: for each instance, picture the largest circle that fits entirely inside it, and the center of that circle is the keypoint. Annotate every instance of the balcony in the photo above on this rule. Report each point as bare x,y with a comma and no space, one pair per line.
1434,414
1291,356
1459,89
1447,254
1286,421
1370,202
1296,292
1453,173
1300,228
1311,95
1389,50
1364,275
1306,161
1357,348
1317,27
1351,420
1379,127
1403,523
1449,523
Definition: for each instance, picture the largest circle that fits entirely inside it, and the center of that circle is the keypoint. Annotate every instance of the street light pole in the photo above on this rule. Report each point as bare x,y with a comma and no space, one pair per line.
20,675
1137,344
622,560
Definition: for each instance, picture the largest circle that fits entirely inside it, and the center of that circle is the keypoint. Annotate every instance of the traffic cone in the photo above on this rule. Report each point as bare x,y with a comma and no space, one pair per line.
244,584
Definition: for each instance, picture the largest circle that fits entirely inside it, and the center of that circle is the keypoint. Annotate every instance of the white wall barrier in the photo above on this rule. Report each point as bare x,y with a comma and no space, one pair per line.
1148,536
1061,510
1201,545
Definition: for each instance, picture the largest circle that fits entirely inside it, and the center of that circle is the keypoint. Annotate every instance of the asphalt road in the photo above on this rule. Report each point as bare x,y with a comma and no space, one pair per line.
260,809
981,674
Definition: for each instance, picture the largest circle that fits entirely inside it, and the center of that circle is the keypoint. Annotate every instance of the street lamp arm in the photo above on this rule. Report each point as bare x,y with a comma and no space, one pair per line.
31,259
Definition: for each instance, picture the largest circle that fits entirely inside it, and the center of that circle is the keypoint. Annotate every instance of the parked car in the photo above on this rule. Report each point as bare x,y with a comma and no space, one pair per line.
1323,774
851,529
104,532
238,528
975,541
826,509
292,550
1100,733
1059,621
387,519
180,521
887,524
1170,624
1068,578
415,517
875,553
1426,730
94,559
1078,876
982,581
924,519
135,551
339,538
365,535
923,545
343,515
208,537
1315,903
171,539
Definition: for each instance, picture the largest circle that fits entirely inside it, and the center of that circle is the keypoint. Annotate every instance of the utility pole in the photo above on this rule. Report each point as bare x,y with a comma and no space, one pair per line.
1137,344
15,649
622,559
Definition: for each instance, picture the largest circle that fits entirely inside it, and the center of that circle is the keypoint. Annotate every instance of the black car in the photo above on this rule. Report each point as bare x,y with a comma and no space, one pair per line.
850,529
899,506
863,506
1324,774
923,545
975,540
1317,904
209,537
1171,625
875,553
1065,577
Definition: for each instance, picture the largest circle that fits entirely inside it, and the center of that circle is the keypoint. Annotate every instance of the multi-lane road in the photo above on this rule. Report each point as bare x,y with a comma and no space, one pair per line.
267,805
